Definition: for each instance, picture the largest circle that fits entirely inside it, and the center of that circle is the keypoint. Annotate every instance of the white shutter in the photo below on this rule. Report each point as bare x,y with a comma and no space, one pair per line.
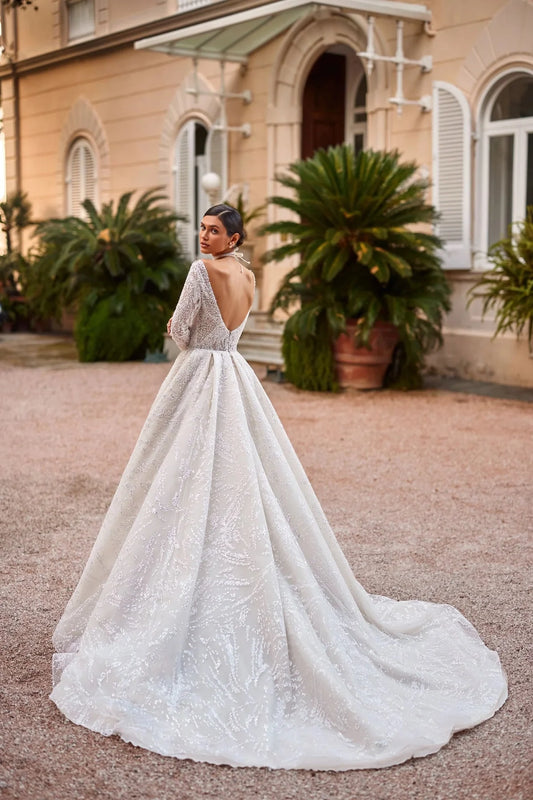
202,200
89,174
217,157
81,177
184,186
452,173
80,18
74,181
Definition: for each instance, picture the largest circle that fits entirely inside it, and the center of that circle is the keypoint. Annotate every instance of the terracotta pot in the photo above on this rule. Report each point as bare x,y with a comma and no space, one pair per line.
359,367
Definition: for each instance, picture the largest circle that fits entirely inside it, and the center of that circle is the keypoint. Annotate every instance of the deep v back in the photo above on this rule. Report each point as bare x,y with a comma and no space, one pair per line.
198,321
232,288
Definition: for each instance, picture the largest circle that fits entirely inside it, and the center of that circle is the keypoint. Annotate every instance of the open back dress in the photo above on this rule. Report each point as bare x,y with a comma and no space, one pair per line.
217,618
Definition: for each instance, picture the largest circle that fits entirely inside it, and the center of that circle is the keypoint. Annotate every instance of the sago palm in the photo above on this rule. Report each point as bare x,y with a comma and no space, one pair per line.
357,225
15,215
122,267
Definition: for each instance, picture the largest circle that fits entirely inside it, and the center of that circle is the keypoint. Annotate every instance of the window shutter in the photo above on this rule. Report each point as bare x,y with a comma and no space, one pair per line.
217,154
89,174
81,177
80,18
75,181
452,173
184,186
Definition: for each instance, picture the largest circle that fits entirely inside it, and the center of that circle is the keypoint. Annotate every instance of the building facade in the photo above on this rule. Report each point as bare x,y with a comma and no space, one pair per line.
104,96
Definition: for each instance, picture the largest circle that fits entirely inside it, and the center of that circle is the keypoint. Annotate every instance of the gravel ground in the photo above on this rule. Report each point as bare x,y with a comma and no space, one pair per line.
428,492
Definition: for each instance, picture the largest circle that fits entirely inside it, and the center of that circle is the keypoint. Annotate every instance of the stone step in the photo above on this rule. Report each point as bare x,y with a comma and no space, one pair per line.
261,352
261,340
266,338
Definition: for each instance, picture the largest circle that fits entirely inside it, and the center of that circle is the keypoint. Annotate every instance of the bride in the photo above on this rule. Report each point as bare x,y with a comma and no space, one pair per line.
217,618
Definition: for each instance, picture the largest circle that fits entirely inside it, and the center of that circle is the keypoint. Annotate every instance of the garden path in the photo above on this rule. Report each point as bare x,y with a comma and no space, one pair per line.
429,494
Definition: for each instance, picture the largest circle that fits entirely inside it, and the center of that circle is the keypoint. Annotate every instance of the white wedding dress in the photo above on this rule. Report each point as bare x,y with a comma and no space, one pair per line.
217,618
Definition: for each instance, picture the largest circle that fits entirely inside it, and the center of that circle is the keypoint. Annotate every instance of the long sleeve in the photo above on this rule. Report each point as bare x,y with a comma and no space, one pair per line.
187,309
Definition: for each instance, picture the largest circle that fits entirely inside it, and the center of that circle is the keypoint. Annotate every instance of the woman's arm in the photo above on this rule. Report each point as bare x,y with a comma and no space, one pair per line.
180,324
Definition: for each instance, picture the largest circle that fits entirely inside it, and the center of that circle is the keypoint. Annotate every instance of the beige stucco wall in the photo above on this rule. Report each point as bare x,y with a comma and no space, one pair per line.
131,104
471,351
483,38
43,29
126,95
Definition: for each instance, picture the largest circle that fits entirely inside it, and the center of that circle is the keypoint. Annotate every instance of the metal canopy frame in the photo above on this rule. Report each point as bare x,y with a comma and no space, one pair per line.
235,36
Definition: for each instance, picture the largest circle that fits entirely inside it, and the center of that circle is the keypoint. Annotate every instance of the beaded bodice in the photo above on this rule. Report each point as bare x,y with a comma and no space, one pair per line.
197,322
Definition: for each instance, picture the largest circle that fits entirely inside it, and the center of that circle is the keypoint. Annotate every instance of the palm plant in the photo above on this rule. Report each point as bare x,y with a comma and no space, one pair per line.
121,267
247,214
350,221
508,286
15,215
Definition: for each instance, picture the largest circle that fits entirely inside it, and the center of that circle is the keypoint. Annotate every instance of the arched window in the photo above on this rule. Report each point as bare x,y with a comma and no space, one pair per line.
197,150
81,178
506,156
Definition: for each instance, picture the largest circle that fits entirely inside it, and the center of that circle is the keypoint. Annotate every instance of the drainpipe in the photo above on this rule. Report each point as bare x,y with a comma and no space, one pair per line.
12,58
16,101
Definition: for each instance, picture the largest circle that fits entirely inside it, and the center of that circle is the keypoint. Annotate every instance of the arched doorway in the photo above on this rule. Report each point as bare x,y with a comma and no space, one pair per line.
336,33
334,102
323,104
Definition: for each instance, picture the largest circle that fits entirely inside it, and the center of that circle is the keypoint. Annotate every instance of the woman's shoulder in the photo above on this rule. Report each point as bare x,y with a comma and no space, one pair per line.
211,269
198,268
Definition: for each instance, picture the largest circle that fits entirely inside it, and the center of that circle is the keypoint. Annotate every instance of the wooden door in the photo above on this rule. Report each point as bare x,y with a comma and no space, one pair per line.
323,123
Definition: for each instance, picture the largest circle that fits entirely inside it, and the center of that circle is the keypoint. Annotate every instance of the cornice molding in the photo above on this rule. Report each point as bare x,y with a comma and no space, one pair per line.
124,38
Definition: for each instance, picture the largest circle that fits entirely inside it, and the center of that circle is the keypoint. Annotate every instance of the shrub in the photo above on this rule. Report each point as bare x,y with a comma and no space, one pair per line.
122,268
508,286
351,222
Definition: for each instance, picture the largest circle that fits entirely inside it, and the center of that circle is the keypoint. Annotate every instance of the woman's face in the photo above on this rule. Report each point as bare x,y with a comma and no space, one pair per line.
214,238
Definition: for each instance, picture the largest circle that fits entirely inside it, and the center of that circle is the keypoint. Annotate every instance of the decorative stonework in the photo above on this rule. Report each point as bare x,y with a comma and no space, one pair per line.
303,44
83,120
503,44
184,106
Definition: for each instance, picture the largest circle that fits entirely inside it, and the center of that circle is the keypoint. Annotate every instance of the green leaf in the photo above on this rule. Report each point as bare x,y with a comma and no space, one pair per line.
331,270
396,262
112,262
363,251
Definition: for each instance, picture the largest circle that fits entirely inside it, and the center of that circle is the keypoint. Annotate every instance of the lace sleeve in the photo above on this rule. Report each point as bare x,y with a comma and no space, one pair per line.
186,310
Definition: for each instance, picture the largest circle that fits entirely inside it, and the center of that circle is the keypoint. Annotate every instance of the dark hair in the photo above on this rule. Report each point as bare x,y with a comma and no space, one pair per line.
231,219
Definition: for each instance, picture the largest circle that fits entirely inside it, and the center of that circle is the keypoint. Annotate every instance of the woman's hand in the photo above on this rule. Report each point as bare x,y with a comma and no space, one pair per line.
169,323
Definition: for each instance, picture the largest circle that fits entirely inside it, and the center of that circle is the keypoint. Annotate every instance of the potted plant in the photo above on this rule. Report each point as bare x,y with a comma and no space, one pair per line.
121,268
366,270
508,286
